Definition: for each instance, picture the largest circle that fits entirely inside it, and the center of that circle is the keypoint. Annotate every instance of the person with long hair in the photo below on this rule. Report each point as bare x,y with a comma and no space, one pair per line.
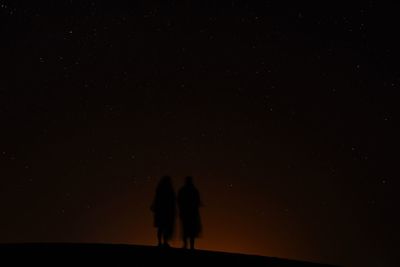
189,204
164,209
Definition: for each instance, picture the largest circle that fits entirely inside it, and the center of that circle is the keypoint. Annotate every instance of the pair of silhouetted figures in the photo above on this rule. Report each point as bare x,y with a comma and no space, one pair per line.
164,209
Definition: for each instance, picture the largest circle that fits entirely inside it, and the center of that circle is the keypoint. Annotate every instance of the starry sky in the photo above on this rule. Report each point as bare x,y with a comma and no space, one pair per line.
284,113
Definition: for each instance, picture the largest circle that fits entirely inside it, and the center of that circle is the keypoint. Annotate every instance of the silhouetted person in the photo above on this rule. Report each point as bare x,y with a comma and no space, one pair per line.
189,203
164,209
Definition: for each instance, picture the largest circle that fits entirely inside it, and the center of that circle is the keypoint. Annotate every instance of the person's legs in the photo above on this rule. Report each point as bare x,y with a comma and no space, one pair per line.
185,243
159,236
165,237
191,242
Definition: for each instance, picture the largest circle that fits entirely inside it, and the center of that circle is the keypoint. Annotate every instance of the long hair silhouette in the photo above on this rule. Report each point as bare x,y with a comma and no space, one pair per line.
164,209
189,203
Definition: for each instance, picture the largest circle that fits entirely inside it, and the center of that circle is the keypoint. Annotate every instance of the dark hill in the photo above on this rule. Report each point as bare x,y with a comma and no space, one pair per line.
115,255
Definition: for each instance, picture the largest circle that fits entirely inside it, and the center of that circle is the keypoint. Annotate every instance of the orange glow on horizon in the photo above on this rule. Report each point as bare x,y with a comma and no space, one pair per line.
225,232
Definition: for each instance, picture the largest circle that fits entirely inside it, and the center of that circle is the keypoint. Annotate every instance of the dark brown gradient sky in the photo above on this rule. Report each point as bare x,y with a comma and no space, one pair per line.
285,114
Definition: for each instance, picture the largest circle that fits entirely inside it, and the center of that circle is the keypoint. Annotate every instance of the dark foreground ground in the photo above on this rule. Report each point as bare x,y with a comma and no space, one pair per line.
129,255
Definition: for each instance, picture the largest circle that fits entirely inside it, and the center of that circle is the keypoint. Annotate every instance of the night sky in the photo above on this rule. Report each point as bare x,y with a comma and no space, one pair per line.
284,113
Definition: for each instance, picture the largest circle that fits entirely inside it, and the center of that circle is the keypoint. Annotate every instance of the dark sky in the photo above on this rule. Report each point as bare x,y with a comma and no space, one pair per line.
285,114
